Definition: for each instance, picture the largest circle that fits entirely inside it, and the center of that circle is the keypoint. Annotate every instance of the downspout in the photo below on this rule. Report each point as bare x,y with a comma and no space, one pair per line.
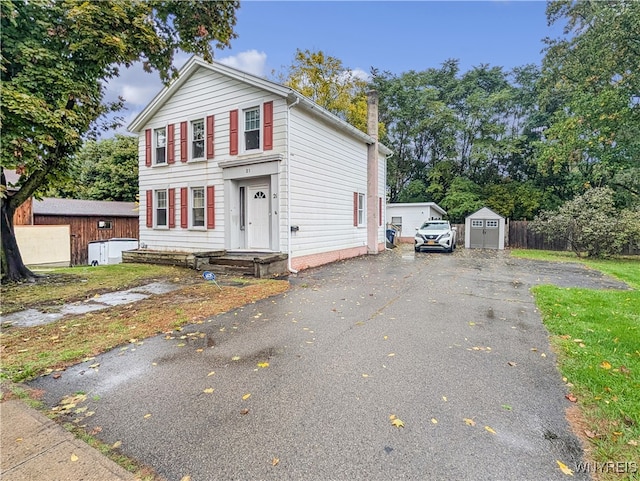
291,269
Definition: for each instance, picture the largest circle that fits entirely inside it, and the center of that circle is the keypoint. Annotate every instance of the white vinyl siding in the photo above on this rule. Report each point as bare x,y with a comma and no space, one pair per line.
327,167
204,93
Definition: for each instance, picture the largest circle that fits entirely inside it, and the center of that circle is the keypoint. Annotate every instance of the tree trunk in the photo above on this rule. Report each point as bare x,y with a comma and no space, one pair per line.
13,269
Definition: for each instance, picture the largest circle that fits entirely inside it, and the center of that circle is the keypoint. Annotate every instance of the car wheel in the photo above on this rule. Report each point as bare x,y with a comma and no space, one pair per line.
417,249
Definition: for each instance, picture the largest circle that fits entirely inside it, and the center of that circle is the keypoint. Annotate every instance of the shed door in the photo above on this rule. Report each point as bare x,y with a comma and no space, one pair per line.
491,233
485,234
476,238
258,234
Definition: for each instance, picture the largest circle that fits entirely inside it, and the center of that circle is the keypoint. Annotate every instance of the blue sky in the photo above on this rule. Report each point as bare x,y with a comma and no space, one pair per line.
388,35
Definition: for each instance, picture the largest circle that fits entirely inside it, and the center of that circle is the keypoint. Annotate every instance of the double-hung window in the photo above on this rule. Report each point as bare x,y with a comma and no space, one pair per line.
252,128
160,145
161,208
197,207
197,139
361,203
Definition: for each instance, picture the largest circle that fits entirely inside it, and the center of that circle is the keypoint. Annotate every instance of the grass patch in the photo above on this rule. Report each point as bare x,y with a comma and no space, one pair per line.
28,352
59,286
596,334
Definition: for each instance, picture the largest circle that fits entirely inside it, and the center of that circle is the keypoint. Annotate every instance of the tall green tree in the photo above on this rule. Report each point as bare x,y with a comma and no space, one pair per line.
57,56
106,169
325,80
592,94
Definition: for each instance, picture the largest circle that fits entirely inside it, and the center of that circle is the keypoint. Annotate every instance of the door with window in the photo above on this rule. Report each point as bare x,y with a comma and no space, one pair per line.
485,234
257,212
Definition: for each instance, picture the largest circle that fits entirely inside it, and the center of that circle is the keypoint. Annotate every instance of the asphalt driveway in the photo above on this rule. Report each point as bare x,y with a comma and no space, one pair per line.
302,386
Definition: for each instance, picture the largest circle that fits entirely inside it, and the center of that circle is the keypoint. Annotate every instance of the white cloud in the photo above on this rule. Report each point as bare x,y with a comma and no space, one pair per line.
251,61
361,74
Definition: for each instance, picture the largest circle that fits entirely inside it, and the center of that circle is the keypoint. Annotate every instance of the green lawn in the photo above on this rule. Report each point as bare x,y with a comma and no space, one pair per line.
596,334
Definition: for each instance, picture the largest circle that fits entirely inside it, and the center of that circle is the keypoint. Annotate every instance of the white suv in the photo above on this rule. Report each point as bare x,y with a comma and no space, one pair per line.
435,234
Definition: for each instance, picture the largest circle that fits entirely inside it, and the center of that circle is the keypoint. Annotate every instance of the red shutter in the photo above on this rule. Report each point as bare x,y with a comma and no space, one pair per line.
211,212
379,210
183,142
233,132
147,147
268,126
149,208
171,144
172,208
355,209
210,136
184,209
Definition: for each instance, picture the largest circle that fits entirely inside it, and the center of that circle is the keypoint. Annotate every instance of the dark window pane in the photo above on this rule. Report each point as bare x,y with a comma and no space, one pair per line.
198,149
252,140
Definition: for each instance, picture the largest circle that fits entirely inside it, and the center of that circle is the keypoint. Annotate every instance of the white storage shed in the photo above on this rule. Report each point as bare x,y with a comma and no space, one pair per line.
484,229
409,216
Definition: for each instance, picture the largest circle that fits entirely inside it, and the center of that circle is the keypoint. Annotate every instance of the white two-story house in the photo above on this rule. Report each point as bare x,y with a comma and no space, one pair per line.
232,161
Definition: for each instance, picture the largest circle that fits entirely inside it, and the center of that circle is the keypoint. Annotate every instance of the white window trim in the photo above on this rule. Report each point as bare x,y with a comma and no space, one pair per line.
362,222
477,223
492,224
241,132
155,209
190,203
190,121
154,155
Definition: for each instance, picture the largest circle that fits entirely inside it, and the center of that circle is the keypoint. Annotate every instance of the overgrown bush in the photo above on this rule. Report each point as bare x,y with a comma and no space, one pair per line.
591,224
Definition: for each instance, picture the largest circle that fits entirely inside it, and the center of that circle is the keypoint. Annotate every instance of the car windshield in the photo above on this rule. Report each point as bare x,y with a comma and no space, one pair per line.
434,226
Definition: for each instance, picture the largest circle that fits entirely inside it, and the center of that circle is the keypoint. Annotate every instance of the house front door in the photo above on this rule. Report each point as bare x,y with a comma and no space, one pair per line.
258,222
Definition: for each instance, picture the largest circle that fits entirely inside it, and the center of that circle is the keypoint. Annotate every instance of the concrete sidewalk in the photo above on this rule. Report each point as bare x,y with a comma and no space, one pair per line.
33,447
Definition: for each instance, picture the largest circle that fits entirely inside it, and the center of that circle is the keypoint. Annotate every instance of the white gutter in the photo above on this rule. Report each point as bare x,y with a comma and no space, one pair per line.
291,269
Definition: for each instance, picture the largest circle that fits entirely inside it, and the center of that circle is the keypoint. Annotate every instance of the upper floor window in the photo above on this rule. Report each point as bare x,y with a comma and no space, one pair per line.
197,139
252,128
160,145
161,208
197,206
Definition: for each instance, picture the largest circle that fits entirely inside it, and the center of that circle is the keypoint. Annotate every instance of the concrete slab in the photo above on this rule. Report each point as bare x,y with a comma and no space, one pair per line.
35,447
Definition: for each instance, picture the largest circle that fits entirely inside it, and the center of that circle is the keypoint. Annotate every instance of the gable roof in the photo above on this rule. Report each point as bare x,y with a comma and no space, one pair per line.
76,207
432,205
195,63
485,213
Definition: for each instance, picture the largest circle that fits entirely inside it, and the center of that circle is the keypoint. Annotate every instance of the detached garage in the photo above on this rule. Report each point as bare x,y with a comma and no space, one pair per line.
409,216
484,229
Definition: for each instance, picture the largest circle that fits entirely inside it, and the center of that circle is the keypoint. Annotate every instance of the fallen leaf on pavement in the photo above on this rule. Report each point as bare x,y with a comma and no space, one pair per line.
246,396
209,390
488,428
116,445
571,397
74,458
147,416
469,422
512,364
275,461
211,373
186,478
244,411
263,364
434,420
397,423
564,468
590,434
